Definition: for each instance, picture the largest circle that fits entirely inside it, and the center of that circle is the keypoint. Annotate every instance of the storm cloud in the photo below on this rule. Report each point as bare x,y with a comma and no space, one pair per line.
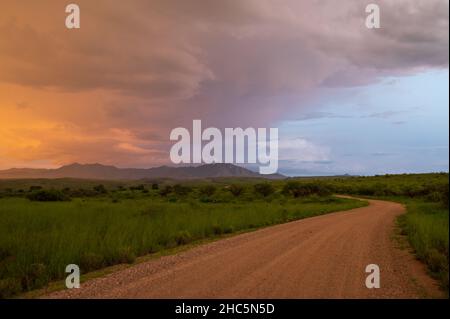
149,66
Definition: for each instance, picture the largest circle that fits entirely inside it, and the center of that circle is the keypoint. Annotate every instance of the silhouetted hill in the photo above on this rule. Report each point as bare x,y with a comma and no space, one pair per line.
99,171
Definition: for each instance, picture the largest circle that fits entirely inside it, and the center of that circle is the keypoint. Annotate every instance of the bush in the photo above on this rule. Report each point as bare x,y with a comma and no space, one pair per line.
155,186
236,190
48,196
264,189
207,190
166,190
139,187
100,189
181,190
297,189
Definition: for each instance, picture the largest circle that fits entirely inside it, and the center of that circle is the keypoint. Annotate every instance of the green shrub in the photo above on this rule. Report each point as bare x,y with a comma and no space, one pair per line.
264,189
48,196
101,189
139,187
166,190
236,190
298,189
181,190
207,190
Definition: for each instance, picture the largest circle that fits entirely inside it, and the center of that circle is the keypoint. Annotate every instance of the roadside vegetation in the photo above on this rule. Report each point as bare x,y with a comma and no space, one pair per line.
47,224
43,228
426,224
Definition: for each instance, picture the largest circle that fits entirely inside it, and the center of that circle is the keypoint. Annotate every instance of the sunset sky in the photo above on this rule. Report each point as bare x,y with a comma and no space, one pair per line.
346,99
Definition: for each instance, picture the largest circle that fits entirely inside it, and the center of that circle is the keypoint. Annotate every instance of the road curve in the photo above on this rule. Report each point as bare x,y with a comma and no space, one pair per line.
318,257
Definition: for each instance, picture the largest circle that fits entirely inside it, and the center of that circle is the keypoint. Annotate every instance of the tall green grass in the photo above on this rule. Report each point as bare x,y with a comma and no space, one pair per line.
427,228
38,239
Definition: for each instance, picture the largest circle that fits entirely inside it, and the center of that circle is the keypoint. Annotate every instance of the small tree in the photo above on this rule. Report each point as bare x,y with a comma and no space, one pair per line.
264,189
236,190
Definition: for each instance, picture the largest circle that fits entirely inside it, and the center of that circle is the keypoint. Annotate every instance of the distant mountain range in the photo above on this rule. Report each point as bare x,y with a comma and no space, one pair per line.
99,171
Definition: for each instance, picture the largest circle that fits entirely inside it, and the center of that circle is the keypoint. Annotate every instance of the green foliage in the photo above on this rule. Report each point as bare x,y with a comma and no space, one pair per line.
139,187
297,189
236,190
435,187
101,189
166,190
207,190
264,189
98,228
426,225
47,196
181,190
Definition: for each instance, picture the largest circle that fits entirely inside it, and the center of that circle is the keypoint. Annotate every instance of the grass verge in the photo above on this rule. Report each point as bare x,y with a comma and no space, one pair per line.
38,239
426,226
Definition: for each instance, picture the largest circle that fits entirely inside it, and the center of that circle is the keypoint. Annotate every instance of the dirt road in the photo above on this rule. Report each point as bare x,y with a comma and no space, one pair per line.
319,257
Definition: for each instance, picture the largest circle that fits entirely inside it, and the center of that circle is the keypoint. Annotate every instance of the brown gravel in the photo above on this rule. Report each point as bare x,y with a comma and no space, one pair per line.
318,257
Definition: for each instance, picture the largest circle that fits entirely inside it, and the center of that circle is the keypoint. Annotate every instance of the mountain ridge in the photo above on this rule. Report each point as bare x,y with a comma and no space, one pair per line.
109,172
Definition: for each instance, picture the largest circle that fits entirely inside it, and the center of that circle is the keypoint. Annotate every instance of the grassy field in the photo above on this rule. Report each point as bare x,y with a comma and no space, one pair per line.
47,224
41,234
